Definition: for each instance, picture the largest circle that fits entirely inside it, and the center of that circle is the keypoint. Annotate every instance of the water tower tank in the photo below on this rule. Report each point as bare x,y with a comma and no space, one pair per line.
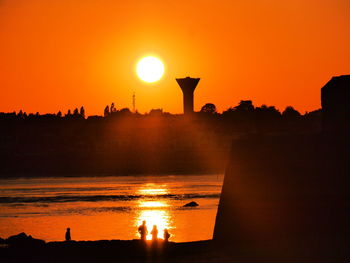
188,85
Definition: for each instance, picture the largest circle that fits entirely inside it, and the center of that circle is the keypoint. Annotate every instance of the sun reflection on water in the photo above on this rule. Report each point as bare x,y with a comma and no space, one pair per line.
153,204
153,189
155,212
160,218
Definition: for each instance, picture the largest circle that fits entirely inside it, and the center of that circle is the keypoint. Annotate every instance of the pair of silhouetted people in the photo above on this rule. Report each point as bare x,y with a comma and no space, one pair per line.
68,237
144,232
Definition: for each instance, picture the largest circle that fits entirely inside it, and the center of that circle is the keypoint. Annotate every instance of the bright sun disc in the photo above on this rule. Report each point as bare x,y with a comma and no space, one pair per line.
150,69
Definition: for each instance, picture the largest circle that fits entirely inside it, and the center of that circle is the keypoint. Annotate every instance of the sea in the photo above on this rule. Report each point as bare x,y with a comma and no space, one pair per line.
109,207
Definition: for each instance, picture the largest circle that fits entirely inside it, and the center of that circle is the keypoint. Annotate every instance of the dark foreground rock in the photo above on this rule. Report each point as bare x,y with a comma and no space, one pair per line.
191,204
23,240
120,251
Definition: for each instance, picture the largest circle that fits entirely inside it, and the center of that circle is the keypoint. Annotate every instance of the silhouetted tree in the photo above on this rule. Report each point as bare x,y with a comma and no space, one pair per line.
209,108
59,114
317,114
82,112
245,105
76,112
69,113
266,118
241,116
113,108
20,114
267,112
106,111
154,112
290,113
314,119
229,111
125,111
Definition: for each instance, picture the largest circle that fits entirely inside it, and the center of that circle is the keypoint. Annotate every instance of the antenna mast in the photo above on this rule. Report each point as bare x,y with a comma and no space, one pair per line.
134,102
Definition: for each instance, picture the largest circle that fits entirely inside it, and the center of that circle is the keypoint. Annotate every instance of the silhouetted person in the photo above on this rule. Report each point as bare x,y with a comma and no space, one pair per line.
143,230
68,237
154,233
166,235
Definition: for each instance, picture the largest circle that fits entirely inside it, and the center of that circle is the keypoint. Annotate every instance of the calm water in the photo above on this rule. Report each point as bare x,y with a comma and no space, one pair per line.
109,207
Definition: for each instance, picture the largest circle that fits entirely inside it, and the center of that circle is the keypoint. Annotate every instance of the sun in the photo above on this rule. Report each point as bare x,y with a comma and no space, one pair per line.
150,69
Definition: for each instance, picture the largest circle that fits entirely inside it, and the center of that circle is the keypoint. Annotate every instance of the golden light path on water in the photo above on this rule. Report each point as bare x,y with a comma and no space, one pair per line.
105,208
154,212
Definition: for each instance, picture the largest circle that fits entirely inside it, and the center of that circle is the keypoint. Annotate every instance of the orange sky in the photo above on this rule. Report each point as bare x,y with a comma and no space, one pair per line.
62,54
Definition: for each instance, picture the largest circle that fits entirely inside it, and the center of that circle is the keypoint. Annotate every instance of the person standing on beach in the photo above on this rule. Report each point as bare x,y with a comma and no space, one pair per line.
166,235
154,233
68,237
143,230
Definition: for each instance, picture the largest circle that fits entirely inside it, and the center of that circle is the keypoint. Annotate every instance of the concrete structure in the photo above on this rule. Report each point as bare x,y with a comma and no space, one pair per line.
285,197
188,85
335,100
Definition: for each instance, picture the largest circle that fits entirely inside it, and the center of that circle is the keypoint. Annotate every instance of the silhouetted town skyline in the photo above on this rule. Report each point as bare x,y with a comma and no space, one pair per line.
125,142
187,85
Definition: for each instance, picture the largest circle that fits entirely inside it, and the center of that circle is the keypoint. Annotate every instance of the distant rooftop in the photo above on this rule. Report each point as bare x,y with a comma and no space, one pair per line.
338,82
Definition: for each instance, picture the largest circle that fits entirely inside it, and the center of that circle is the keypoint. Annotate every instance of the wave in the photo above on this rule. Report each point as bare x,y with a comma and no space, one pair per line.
97,198
66,189
80,211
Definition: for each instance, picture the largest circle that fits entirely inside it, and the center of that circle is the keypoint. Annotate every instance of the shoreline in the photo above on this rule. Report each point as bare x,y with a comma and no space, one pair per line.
38,251
61,175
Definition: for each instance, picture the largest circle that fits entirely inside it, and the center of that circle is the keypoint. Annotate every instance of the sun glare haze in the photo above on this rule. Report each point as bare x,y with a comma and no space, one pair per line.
150,69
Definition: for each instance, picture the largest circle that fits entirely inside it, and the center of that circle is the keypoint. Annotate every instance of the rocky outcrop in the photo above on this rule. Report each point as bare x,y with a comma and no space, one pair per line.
23,240
191,204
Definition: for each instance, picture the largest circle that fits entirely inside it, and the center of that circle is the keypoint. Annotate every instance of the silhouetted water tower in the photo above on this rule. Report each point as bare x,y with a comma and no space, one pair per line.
188,85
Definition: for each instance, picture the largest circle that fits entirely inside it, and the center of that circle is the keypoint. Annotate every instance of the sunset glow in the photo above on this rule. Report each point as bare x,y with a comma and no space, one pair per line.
153,204
174,131
108,219
152,189
272,52
157,217
150,69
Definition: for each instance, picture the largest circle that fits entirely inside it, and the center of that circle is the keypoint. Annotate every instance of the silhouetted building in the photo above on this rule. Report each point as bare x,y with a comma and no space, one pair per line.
335,99
284,197
188,85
